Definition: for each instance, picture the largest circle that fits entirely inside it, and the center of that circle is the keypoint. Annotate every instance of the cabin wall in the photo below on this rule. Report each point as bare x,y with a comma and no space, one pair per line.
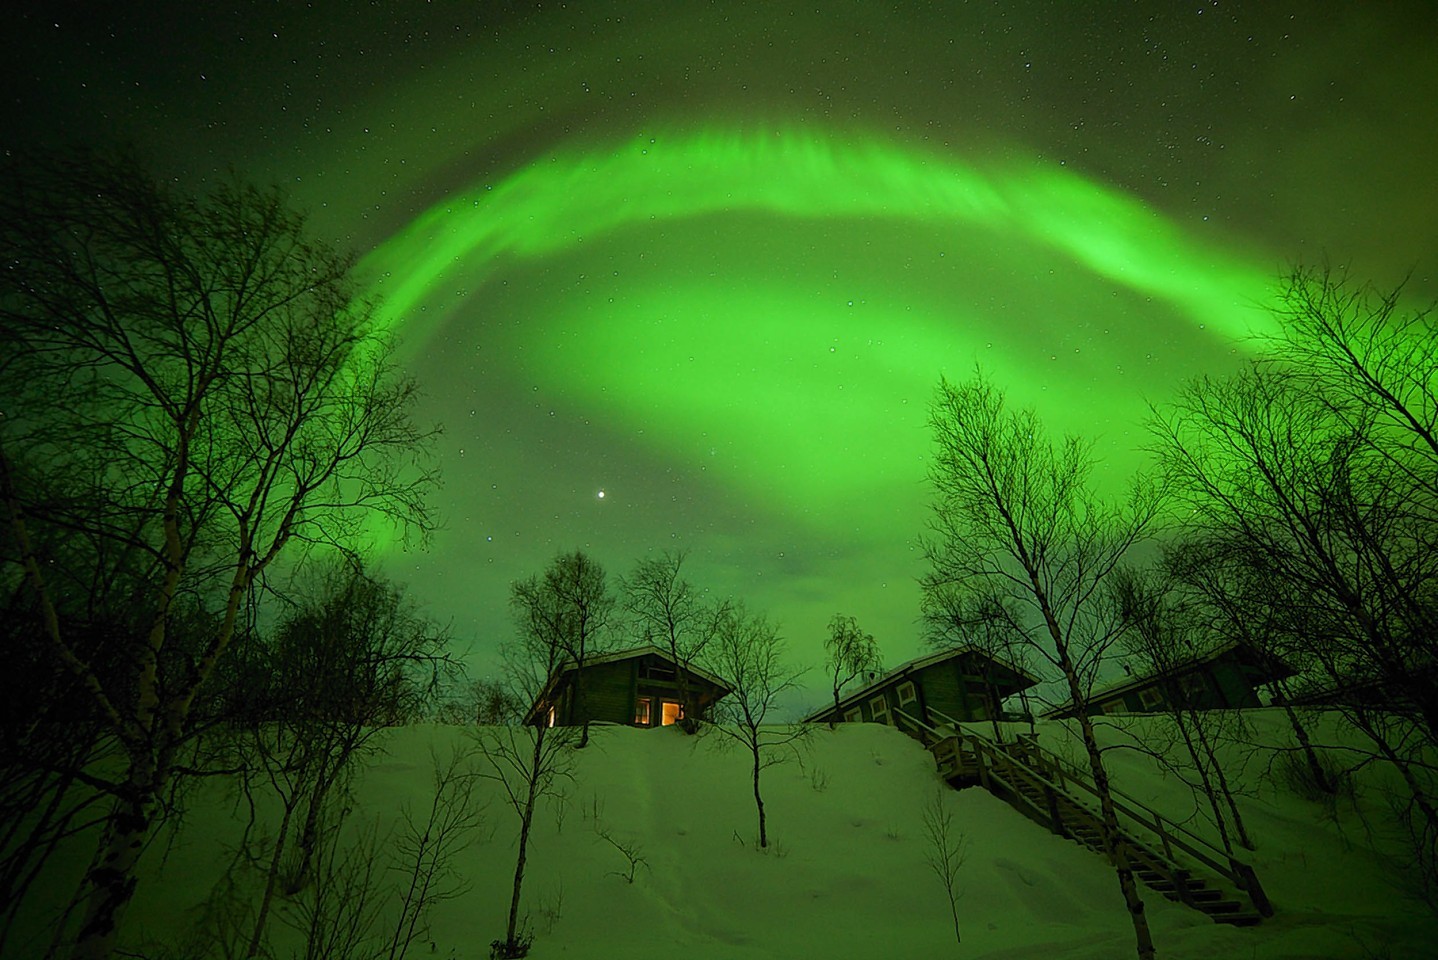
606,693
657,679
944,690
1215,686
609,692
1234,685
951,688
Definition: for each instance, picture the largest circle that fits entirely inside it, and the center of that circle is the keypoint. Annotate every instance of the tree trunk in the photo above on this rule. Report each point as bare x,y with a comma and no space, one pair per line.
1244,839
992,690
1300,733
272,878
1209,793
759,803
526,821
576,707
1114,844
110,881
686,720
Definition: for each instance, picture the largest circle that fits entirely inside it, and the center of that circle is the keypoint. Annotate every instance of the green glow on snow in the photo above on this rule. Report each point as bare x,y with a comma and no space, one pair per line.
723,356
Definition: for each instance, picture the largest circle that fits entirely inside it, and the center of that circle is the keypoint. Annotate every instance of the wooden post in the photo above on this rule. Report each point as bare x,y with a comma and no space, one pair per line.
1054,810
1253,888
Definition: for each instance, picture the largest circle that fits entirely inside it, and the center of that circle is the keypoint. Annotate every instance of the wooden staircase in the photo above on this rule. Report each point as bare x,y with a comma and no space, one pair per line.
1165,856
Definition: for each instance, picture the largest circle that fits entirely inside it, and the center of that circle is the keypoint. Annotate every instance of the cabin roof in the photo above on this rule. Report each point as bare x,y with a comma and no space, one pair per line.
919,663
632,653
1243,652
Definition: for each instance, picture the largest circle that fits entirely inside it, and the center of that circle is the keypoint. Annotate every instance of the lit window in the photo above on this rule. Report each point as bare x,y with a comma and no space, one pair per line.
854,715
549,717
670,712
907,694
641,712
879,708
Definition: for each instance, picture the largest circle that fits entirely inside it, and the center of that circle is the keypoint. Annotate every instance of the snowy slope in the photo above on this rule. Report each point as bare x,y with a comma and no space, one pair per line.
845,876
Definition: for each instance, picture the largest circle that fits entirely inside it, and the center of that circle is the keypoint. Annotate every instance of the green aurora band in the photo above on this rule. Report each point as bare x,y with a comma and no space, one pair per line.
812,401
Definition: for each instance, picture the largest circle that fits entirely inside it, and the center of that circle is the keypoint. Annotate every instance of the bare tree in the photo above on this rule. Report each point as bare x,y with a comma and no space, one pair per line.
1015,528
670,612
348,660
1327,501
946,852
851,654
585,608
954,617
749,654
487,702
1161,637
528,759
428,847
1370,361
224,395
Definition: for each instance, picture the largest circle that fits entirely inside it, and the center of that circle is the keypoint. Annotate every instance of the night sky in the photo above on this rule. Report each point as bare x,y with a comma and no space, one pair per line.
683,276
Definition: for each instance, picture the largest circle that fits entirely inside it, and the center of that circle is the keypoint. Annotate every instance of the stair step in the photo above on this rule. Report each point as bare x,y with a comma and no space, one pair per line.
1152,876
1203,899
1083,825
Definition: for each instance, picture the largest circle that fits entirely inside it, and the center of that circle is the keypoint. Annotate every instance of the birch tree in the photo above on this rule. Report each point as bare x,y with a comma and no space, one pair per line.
1016,529
529,759
192,388
667,610
851,653
749,655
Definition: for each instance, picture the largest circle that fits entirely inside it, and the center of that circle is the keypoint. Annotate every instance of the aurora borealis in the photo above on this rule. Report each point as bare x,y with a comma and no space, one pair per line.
711,259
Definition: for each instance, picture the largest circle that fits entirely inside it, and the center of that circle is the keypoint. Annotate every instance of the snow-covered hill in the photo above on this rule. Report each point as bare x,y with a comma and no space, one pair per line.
845,877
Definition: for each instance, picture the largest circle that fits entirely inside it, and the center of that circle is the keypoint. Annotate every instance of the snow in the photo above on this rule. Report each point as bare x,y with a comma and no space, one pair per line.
845,876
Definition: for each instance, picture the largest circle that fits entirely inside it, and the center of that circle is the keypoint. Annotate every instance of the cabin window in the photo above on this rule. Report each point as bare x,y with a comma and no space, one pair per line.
670,712
1150,699
641,712
549,718
879,708
854,716
907,694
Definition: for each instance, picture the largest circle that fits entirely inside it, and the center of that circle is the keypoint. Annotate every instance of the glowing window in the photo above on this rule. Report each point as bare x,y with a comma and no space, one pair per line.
879,709
641,712
854,716
549,717
907,694
670,712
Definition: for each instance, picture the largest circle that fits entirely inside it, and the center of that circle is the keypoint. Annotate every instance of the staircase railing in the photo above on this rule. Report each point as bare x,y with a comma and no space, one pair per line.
1053,773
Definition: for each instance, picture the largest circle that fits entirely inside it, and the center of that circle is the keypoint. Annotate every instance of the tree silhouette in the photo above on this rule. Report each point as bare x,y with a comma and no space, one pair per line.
749,654
851,653
526,759
1015,530
670,612
192,388
1315,471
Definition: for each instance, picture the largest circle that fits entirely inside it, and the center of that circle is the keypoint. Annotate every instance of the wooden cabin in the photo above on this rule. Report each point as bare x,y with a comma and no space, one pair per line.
962,684
637,687
1227,677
